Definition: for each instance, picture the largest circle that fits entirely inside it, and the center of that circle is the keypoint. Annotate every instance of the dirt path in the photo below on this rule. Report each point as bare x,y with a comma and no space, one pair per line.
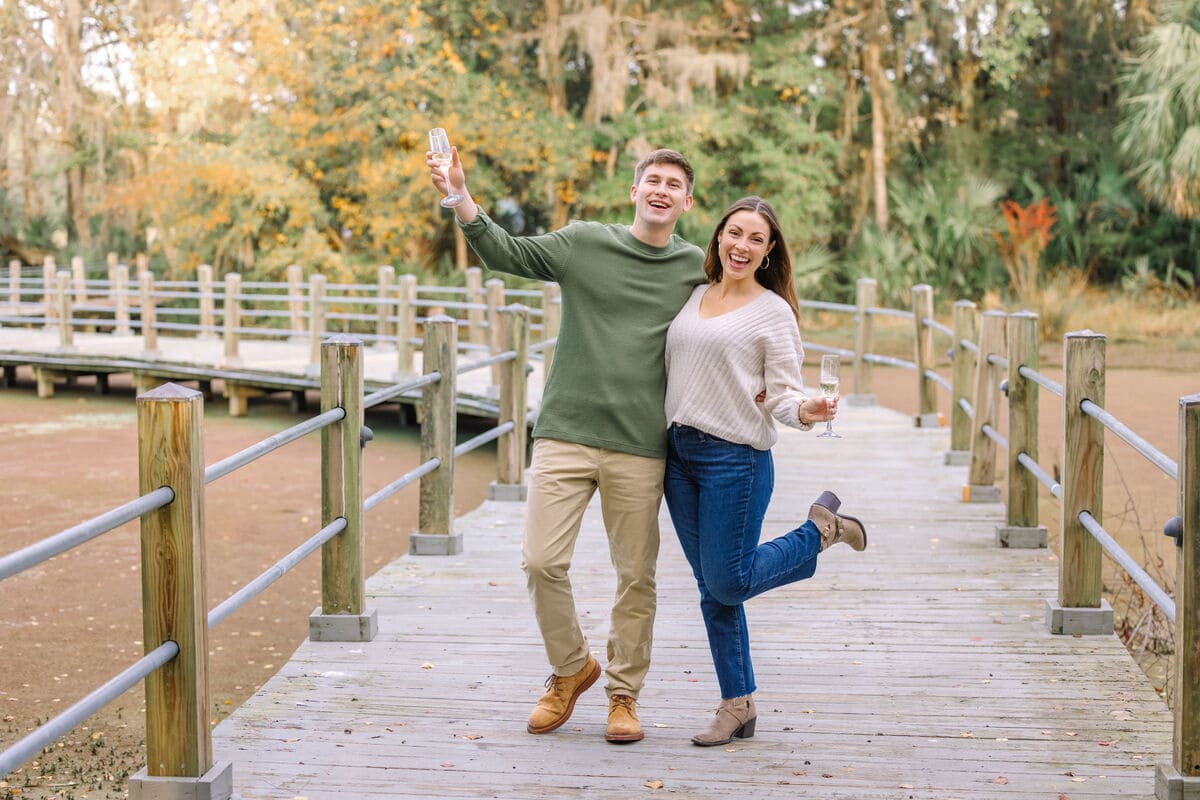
75,621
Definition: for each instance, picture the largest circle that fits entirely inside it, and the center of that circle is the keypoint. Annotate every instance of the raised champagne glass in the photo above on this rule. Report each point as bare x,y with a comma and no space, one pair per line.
439,146
829,388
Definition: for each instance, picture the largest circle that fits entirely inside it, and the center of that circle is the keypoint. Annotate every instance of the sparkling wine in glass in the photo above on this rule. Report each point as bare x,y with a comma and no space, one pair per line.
439,146
829,388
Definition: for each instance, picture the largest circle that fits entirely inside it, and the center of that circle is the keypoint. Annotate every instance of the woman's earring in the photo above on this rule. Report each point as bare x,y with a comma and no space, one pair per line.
766,262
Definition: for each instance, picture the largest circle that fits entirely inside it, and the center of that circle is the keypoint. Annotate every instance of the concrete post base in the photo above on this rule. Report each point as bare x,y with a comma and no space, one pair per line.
933,420
1084,621
981,493
1170,784
342,627
957,458
435,544
1022,538
216,784
507,492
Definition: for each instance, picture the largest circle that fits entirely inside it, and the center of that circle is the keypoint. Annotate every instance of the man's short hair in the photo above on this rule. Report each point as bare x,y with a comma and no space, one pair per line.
664,156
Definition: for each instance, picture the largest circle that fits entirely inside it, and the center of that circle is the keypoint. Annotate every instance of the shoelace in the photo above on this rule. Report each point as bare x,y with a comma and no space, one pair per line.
623,700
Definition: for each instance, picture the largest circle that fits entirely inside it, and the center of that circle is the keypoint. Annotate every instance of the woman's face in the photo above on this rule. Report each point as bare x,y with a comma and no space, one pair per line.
744,242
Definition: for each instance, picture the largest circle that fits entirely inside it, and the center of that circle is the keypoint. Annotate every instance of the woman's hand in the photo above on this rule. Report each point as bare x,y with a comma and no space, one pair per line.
817,409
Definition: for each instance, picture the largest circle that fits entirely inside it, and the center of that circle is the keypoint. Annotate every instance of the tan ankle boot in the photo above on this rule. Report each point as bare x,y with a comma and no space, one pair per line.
556,705
623,724
835,527
735,717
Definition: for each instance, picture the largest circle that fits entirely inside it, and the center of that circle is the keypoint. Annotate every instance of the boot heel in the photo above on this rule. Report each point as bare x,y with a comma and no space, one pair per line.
829,500
747,729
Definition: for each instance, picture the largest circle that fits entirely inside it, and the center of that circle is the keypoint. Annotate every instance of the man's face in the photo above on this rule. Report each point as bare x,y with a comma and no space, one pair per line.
662,195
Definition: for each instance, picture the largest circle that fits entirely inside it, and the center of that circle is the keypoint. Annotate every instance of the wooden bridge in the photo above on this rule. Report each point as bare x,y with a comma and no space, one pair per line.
956,658
921,668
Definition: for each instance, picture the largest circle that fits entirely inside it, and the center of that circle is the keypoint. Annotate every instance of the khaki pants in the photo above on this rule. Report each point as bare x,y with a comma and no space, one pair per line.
563,477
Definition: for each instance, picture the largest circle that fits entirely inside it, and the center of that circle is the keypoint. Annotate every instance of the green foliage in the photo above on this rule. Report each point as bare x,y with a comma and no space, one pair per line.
1160,124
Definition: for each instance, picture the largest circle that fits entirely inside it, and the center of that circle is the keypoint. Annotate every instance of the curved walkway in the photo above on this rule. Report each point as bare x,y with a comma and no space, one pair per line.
920,669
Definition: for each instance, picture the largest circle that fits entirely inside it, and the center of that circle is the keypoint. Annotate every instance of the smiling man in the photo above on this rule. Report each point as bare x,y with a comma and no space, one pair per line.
601,425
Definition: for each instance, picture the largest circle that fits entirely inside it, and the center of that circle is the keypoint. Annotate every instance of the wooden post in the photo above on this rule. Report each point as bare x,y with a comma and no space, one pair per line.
383,325
476,332
495,301
922,306
981,475
510,449
551,324
1184,767
141,262
866,296
174,597
436,535
406,323
316,320
49,270
1080,607
965,330
295,302
14,284
65,331
120,290
208,316
231,317
79,280
342,616
1022,529
111,259
148,315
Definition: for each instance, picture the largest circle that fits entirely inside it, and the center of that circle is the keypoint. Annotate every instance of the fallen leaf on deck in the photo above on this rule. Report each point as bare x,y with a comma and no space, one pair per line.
1001,780
1078,780
447,764
653,784
967,735
472,736
427,665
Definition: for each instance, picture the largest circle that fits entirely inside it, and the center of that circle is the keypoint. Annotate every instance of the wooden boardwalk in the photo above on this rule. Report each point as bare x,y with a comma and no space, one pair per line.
919,669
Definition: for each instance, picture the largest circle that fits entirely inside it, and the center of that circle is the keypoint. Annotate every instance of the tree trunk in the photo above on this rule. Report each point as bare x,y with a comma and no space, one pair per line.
71,97
878,82
550,58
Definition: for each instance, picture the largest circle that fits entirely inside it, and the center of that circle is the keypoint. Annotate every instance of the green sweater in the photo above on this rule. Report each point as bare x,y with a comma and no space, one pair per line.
607,384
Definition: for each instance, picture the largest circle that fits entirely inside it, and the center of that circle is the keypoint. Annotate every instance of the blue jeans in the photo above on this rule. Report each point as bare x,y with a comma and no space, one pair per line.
717,493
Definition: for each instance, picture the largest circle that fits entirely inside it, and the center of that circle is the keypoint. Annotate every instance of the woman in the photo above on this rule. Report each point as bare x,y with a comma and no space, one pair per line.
735,338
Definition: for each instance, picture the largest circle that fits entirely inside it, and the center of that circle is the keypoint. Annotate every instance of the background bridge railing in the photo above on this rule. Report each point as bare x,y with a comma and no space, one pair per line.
388,314
172,479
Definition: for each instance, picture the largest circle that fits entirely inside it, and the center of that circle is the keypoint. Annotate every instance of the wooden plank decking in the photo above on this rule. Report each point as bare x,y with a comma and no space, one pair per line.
920,669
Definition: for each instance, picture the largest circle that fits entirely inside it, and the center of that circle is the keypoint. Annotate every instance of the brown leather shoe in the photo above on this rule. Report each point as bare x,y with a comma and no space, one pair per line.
835,527
735,718
623,725
556,705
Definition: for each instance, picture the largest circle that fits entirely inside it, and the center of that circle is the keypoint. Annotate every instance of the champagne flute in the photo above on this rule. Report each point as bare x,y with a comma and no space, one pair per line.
829,388
439,146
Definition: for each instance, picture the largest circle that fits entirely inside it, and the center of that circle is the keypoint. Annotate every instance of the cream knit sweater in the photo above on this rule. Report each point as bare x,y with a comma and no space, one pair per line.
717,366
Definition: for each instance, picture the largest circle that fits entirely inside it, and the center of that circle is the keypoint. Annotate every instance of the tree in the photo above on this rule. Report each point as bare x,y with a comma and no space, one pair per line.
1160,121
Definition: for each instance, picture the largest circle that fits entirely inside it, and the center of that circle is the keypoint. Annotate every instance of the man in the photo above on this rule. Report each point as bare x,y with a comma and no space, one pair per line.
601,424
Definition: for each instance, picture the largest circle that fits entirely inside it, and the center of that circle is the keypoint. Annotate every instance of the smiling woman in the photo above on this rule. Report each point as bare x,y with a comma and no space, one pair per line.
75,621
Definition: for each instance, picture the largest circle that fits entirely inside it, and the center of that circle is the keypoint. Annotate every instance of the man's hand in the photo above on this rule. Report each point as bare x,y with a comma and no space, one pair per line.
457,184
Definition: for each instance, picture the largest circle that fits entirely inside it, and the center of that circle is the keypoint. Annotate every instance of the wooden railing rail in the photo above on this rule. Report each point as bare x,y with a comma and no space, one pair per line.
171,421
